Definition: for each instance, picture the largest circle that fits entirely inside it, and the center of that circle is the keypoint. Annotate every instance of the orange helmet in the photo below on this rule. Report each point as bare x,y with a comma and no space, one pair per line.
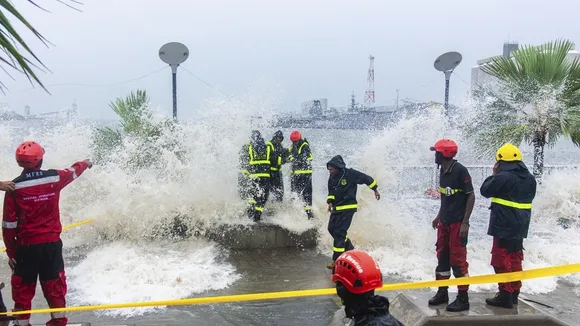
295,135
29,154
357,271
447,147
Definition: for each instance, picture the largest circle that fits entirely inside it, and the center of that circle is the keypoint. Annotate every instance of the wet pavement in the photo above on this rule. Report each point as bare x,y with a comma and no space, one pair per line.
269,271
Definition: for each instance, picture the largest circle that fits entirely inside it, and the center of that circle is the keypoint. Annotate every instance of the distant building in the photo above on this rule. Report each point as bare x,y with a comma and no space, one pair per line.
480,77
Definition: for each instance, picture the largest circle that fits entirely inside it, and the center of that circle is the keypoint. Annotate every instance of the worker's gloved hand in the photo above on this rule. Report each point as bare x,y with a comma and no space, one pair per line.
329,208
435,222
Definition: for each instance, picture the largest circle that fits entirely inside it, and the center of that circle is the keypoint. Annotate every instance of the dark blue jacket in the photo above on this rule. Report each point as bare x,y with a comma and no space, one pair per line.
342,188
511,191
376,313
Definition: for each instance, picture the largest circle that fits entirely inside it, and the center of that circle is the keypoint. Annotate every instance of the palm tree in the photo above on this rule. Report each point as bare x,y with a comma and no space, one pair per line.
10,40
536,99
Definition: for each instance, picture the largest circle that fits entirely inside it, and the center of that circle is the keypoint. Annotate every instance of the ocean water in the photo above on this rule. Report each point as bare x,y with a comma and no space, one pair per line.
117,258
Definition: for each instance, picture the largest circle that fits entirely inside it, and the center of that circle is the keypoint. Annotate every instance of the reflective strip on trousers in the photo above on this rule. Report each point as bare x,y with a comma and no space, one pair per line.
336,249
23,322
448,273
258,208
57,315
510,203
302,172
308,208
344,207
260,175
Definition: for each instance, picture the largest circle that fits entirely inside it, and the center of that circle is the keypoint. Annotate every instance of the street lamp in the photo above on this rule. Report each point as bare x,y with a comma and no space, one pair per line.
174,54
447,63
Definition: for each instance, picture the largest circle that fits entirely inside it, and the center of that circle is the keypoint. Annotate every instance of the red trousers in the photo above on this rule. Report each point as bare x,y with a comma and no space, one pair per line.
507,256
451,253
40,261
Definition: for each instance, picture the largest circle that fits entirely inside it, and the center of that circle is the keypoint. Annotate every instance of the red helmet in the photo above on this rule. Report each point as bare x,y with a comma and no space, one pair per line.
295,135
358,271
447,147
29,154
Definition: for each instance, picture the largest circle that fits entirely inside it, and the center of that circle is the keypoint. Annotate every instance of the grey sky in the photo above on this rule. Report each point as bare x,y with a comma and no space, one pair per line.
298,49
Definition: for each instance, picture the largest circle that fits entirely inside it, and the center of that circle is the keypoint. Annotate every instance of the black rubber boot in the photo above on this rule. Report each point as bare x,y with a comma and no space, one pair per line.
461,303
515,296
310,215
502,299
441,297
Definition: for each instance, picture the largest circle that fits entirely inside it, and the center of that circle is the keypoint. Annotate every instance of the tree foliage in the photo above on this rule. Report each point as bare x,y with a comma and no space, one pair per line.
24,60
140,134
535,99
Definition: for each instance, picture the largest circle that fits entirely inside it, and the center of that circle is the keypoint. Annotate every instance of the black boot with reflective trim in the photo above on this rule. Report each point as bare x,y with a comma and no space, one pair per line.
502,299
515,296
461,303
441,297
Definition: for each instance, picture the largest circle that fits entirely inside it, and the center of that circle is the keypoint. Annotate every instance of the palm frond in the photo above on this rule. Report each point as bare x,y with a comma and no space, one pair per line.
537,95
10,39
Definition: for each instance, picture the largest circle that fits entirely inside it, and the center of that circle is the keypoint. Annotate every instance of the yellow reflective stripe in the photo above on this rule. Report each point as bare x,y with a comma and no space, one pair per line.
453,191
330,197
251,152
274,169
251,201
302,172
510,203
343,207
335,249
260,162
300,148
374,183
260,175
279,160
258,208
307,208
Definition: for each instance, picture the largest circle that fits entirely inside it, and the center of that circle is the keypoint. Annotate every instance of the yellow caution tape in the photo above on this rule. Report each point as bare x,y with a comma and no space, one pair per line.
482,279
66,227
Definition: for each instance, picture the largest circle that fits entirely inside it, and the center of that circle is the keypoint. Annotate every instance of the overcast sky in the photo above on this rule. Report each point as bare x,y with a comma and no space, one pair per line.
285,51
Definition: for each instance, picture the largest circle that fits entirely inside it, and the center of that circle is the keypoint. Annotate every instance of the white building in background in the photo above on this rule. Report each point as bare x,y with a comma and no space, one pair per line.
479,77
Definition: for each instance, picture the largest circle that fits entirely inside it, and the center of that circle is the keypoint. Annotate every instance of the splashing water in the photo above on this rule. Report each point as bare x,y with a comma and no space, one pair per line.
128,204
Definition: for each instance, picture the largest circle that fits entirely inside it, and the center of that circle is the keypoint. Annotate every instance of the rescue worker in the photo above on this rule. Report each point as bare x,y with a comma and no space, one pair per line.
279,157
342,204
258,158
452,223
512,189
356,276
31,229
301,179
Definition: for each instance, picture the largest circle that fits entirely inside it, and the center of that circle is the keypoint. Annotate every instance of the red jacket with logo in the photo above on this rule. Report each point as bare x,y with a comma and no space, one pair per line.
31,211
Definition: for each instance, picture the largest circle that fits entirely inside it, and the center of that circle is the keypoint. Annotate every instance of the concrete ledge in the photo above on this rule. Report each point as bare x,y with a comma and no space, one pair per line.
261,236
412,309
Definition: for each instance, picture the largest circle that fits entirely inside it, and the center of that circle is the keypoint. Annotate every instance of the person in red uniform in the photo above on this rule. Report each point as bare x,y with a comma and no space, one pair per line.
356,276
512,188
31,229
452,223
